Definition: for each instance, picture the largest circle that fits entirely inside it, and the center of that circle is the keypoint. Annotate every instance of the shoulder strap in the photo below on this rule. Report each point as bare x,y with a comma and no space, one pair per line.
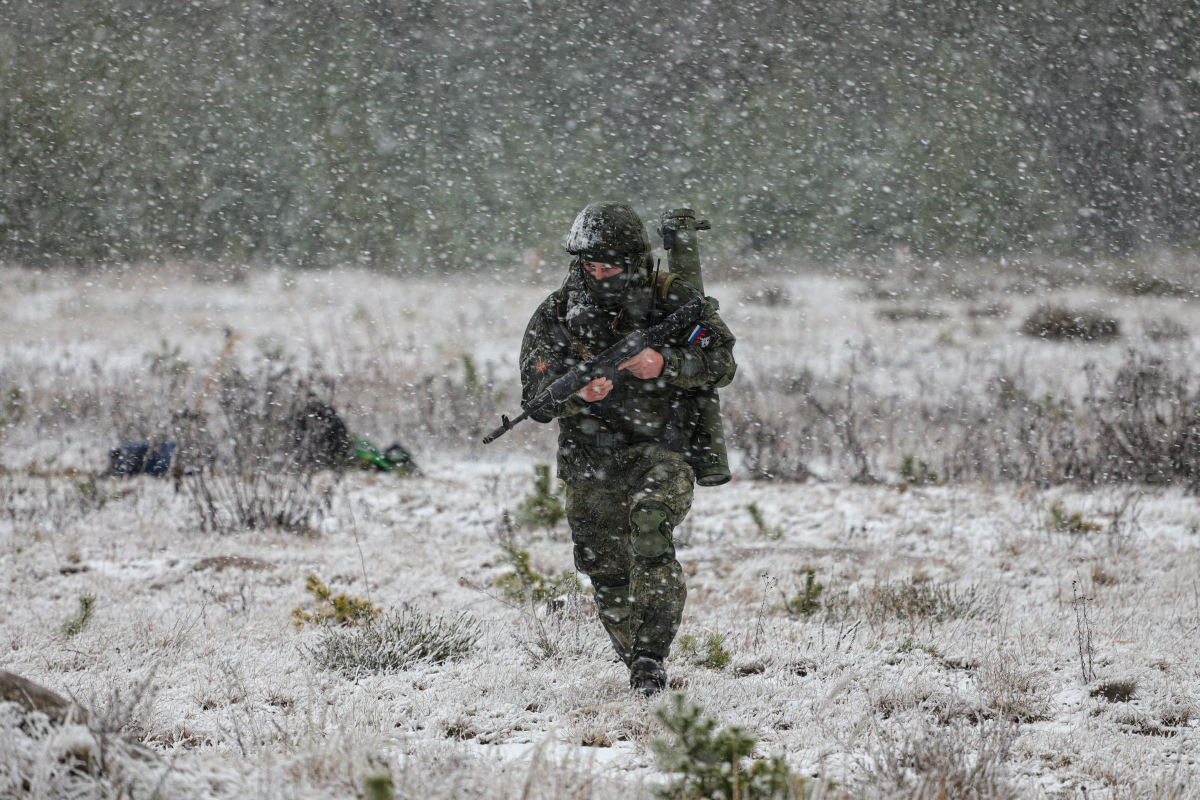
575,343
664,284
560,308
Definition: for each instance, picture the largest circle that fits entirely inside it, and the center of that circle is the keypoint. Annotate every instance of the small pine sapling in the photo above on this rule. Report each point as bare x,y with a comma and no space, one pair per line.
471,380
916,472
76,623
760,523
709,653
378,786
525,583
542,508
339,609
14,406
808,600
709,763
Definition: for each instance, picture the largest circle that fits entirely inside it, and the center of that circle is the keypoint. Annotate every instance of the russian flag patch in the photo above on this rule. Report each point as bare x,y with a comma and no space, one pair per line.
699,336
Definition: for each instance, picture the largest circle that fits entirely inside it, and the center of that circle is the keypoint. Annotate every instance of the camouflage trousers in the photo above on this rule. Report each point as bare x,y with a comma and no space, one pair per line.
623,534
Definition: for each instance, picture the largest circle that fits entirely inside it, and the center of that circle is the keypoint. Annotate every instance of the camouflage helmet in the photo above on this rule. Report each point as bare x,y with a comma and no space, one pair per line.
608,232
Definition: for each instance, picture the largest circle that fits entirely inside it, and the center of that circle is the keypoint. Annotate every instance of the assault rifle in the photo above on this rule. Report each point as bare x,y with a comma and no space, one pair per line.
605,364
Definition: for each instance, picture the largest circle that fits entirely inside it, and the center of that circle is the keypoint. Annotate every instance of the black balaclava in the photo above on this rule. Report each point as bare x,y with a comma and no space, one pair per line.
608,292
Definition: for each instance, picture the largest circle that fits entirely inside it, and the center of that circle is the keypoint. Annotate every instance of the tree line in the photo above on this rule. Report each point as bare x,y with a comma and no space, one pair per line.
406,133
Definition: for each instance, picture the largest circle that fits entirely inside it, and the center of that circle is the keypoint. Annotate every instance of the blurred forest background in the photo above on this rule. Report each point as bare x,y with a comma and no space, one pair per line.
411,133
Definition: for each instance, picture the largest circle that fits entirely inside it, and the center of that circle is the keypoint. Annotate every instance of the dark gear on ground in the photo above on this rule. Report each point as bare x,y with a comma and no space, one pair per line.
323,441
707,452
139,458
624,458
321,438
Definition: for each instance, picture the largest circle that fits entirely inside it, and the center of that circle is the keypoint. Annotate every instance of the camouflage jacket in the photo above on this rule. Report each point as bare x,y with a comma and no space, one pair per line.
567,328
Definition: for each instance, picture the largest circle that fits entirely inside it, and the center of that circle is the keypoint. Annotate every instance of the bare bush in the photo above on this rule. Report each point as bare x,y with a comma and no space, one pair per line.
51,501
1165,329
1143,284
1059,322
568,628
94,751
928,763
1148,421
1141,424
1013,690
453,411
774,436
252,462
770,296
910,601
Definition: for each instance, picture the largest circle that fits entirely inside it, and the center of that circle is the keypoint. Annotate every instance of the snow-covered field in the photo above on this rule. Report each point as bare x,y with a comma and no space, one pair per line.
947,644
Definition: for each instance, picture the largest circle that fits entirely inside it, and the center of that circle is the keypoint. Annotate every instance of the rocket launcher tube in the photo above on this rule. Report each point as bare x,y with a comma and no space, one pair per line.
678,229
707,452
605,364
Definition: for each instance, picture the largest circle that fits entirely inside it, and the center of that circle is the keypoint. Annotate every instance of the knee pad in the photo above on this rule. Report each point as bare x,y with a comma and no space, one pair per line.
651,530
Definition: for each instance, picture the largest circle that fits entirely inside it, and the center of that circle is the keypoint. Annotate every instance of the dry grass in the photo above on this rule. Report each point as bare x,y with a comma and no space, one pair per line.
921,685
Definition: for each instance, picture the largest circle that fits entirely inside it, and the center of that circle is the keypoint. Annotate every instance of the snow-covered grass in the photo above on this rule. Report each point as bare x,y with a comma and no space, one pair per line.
946,634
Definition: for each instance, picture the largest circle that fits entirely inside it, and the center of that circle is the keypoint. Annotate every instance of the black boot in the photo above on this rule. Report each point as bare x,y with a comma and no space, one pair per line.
646,674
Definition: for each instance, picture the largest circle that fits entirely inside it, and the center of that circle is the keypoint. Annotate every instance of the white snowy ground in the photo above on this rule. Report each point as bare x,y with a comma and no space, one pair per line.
238,708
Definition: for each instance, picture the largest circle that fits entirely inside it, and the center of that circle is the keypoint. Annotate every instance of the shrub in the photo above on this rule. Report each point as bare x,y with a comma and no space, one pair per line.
902,313
394,642
1144,284
1059,521
566,629
1059,322
1141,424
82,617
932,762
1165,330
774,434
340,609
708,762
167,361
770,296
1120,691
13,406
378,786
542,508
226,503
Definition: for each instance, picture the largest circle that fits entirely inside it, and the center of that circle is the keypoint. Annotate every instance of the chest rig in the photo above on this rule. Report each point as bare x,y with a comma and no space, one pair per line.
628,406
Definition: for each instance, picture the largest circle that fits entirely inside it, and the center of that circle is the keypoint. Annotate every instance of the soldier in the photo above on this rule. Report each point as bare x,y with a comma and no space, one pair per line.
622,442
